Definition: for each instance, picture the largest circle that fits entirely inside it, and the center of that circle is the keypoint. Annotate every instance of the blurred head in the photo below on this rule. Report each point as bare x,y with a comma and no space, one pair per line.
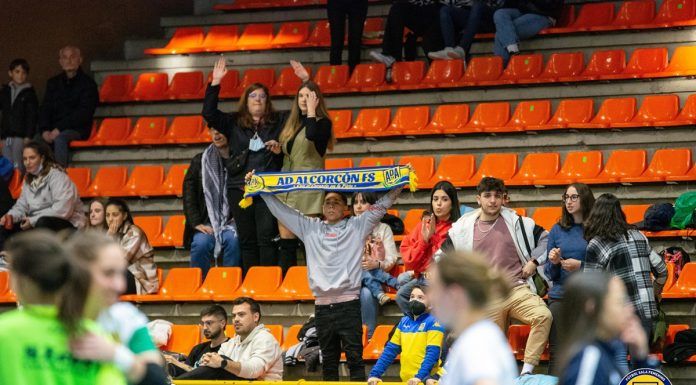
38,159
117,211
97,213
444,202
246,315
213,321
19,69
606,219
219,141
361,202
491,195
335,204
299,107
255,103
70,58
577,200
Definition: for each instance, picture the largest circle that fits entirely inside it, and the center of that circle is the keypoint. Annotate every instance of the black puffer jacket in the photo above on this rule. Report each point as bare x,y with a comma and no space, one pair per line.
18,118
548,8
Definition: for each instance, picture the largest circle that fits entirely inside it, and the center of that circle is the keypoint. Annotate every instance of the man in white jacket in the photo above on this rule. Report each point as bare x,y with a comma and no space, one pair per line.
252,354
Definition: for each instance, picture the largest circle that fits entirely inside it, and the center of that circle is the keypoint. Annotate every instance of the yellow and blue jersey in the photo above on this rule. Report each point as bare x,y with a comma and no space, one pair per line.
419,342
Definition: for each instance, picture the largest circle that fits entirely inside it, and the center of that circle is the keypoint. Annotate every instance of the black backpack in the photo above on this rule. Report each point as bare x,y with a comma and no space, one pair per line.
683,348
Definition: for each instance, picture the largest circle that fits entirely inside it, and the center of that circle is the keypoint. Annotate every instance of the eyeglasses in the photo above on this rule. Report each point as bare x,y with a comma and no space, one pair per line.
259,95
573,198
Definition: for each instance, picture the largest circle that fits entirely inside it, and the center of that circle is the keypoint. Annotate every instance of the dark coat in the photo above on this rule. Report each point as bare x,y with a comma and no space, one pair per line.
195,210
18,118
69,104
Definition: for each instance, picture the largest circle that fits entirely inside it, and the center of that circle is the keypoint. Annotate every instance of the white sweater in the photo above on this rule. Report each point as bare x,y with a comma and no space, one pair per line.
259,355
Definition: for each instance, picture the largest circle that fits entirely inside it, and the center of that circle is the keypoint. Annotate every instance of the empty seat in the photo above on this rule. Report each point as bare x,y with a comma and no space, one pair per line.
321,35
681,64
685,287
373,31
367,77
172,185
643,61
568,113
139,297
295,287
664,163
375,346
689,176
89,141
229,84
369,120
407,121
449,119
173,234
443,73
6,294
566,19
621,164
291,34
612,111
108,181
184,130
673,13
488,116
143,178
81,176
407,75
655,108
546,217
687,115
179,281
412,220
634,213
148,130
151,225
276,331
522,69
186,86
528,113
341,122
183,338
376,162
338,163
265,76
288,83
259,280
255,36
423,166
184,40
112,132
332,79
562,67
116,88
536,166
578,164
603,63
631,13
220,281
221,38
485,69
457,169
501,166
590,16
291,337
151,86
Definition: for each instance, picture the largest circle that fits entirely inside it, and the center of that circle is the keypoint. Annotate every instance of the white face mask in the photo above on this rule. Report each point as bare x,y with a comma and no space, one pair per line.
38,170
256,144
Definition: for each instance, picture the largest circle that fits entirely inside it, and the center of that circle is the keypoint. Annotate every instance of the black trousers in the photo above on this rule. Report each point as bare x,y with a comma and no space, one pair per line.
555,308
207,373
340,326
55,224
356,12
424,21
256,228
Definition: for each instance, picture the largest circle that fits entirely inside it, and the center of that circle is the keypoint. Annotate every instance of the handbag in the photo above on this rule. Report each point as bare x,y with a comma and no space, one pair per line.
542,287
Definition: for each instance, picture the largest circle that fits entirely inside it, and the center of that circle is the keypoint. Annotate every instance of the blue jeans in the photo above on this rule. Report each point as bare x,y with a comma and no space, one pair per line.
467,20
61,145
404,294
203,245
369,308
374,279
513,26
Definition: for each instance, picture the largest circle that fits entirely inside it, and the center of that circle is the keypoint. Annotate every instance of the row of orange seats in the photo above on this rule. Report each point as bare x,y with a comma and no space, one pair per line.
160,235
370,77
531,116
598,17
543,169
260,4
148,130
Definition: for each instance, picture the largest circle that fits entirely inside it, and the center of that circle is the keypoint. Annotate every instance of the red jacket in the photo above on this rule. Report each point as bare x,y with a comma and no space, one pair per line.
417,253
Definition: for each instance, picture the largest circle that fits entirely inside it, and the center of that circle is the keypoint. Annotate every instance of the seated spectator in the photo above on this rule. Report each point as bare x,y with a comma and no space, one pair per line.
465,18
596,312
97,215
512,25
49,199
213,323
68,105
356,12
421,243
141,276
252,354
20,108
210,230
421,17
418,338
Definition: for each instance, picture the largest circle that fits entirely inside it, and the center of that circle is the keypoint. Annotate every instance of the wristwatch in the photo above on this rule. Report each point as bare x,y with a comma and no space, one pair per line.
223,364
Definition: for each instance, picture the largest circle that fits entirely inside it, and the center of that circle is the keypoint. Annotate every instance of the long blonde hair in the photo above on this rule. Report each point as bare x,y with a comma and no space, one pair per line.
293,124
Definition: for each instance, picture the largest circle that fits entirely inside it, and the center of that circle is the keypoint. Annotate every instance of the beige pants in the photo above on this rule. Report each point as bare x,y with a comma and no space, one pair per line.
530,309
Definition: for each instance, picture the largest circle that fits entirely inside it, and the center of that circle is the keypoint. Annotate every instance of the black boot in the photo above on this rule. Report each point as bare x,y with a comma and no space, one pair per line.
288,253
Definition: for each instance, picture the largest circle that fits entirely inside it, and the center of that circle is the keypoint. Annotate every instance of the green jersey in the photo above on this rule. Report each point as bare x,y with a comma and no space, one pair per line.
35,351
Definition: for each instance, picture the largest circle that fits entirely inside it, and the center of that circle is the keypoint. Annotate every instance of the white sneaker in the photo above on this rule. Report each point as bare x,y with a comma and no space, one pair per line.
443,54
456,53
382,58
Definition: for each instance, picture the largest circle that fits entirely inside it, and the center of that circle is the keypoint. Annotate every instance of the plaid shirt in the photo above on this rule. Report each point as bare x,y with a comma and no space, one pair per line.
632,260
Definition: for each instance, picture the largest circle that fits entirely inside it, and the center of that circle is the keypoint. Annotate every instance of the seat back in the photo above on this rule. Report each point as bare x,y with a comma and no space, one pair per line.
185,127
657,108
108,181
261,280
173,184
372,120
674,11
483,68
151,225
112,130
321,35
424,166
116,88
537,166
408,73
143,179
291,34
367,75
606,62
331,78
412,220
501,166
522,67
81,176
296,284
567,64
255,36
149,129
290,339
682,62
150,86
173,234
184,39
373,31
229,84
635,12
489,115
288,83
634,213
221,281
186,85
688,112
546,217
221,38
594,15
443,72
376,162
181,280
669,162
411,119
531,112
338,163
571,111
616,110
450,118
183,338
581,164
625,163
265,76
340,121
457,169
379,339
647,60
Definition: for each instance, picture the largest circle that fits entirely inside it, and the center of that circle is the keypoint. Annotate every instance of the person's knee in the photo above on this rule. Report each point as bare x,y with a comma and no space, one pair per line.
501,16
542,317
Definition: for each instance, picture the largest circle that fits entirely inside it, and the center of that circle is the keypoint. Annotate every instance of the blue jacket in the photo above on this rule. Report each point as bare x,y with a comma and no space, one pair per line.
573,245
597,361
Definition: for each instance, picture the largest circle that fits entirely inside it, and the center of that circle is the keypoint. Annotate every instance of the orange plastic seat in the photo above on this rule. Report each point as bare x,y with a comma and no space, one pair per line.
184,130
183,339
367,77
568,113
6,294
291,339
685,287
517,338
295,287
186,86
291,34
681,64
143,178
528,113
407,121
375,346
369,121
590,16
578,164
687,115
229,85
173,234
81,176
634,213
288,83
277,331
112,132
449,119
603,63
407,75
255,37
664,163
566,19
412,220
631,13
184,40
536,166
139,297
148,130
220,281
501,166
116,88
485,69
151,86
621,164
457,169
488,116
689,176
172,185
424,166
341,122
179,281
15,184
265,76
221,38
655,108
151,225
443,73
338,163
320,36
259,280
612,111
522,69
562,67
546,217
109,181
332,79
643,61
376,162
89,141
673,13
373,31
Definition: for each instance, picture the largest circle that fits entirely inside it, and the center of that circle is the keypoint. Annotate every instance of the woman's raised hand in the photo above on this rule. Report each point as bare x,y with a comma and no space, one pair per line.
300,70
219,71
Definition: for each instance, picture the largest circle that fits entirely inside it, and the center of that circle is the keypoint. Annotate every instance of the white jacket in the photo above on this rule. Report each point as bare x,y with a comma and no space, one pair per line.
259,355
461,235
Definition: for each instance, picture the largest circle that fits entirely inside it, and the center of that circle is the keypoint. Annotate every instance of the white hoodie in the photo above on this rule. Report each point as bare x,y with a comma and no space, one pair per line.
259,355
